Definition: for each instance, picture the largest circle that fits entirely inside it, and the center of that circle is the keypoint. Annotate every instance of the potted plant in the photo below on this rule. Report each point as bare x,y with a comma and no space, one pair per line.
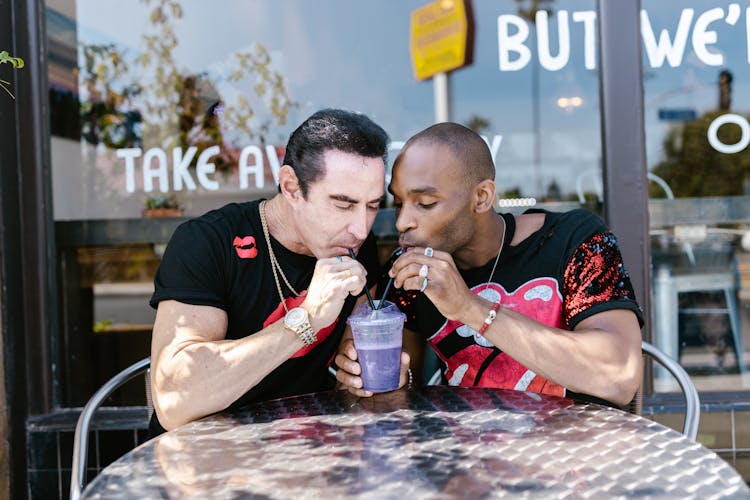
162,206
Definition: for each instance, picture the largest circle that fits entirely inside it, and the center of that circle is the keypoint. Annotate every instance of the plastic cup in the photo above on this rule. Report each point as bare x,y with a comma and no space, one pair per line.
377,339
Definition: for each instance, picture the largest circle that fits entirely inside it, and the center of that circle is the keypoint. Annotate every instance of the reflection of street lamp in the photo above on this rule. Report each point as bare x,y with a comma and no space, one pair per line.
569,103
536,116
530,15
725,90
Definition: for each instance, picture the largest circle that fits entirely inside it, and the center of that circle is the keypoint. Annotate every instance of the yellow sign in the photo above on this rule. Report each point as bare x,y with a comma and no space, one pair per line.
439,37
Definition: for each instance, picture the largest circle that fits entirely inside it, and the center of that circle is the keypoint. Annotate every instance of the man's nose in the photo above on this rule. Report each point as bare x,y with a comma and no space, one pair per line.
359,226
404,220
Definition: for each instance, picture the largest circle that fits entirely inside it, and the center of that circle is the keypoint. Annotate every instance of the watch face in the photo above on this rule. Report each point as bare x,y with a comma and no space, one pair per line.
295,317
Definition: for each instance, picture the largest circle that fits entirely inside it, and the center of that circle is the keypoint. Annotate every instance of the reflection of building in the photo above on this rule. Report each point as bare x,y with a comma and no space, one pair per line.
77,257
62,74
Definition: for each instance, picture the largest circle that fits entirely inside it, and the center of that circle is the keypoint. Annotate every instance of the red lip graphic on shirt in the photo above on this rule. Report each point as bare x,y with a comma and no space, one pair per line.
245,247
539,299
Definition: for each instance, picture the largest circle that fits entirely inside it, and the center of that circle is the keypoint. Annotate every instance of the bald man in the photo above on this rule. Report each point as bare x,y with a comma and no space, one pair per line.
537,302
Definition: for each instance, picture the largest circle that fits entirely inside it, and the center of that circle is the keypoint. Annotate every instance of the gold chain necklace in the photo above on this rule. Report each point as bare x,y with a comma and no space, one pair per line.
275,267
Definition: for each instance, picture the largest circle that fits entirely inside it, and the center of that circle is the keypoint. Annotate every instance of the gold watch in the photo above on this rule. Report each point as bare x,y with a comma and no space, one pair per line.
298,321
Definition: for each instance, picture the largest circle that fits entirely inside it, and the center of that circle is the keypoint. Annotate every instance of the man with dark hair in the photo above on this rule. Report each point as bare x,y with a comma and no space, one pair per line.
251,298
330,130
538,302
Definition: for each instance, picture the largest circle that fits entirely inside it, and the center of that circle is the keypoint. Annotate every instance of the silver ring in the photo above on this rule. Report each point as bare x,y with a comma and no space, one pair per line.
428,251
338,258
424,285
423,271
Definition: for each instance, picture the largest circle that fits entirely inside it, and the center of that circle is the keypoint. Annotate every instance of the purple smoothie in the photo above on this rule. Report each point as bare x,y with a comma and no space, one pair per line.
377,339
380,367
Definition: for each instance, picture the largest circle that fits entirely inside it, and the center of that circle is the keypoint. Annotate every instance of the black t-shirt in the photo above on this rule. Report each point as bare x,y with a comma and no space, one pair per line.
221,260
568,270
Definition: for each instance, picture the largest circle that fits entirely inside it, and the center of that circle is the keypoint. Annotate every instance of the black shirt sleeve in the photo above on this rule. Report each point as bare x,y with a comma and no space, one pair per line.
596,281
193,267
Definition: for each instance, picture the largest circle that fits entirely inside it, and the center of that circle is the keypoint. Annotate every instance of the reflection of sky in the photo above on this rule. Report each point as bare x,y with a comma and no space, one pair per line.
693,85
569,139
355,55
352,55
331,54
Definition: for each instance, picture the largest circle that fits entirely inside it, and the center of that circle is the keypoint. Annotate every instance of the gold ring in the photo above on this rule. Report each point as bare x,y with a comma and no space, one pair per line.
348,273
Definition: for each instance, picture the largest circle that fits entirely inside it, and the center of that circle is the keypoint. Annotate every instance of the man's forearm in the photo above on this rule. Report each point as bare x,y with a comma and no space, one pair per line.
601,357
197,377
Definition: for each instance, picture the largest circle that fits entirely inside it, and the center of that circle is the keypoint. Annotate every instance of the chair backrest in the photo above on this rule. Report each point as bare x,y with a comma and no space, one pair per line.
692,401
596,177
81,438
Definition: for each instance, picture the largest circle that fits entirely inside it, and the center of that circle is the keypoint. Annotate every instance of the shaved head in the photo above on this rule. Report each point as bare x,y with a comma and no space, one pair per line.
467,146
443,186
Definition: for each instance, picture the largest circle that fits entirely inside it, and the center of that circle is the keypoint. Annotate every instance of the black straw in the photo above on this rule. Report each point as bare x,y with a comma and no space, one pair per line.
396,253
385,293
367,292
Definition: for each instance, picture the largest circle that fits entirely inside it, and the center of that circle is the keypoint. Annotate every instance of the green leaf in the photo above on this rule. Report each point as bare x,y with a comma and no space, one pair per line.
101,326
16,62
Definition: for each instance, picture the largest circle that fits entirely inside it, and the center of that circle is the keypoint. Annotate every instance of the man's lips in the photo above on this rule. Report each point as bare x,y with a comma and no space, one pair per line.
345,248
405,243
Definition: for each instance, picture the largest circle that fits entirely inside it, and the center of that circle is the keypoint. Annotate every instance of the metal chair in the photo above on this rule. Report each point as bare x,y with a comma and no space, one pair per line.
81,438
692,401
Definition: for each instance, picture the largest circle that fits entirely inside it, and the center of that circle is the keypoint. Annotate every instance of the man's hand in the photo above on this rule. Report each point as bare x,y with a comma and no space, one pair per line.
444,287
333,280
349,369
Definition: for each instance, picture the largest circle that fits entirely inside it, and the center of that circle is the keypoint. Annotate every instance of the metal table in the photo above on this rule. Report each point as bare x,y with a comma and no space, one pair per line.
433,442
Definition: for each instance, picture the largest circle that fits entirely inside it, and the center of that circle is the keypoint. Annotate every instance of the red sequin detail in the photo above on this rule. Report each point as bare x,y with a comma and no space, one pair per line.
595,274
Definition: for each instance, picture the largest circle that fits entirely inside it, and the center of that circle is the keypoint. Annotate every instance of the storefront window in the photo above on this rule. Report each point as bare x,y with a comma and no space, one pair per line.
697,103
187,105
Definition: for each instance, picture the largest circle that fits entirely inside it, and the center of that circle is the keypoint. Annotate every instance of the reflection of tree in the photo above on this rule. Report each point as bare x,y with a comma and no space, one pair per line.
199,108
693,168
269,85
553,192
528,8
104,115
514,192
106,112
165,85
478,123
177,109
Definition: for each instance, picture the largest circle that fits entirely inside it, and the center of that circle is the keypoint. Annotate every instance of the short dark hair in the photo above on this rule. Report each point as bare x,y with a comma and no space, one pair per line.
332,129
465,144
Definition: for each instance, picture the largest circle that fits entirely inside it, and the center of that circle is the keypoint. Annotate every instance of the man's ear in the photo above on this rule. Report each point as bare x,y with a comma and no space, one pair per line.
484,196
289,184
